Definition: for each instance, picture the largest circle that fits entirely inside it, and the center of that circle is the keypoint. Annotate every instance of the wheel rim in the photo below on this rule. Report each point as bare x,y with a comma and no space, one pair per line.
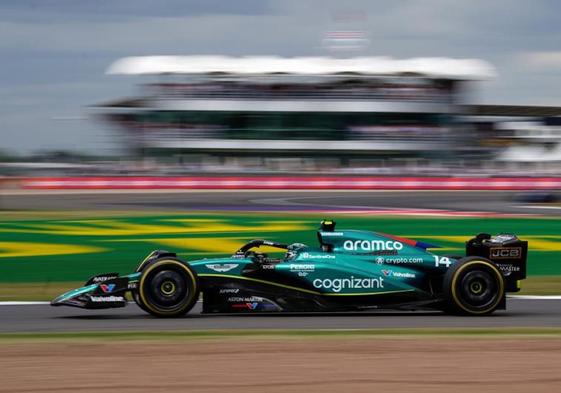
168,288
479,289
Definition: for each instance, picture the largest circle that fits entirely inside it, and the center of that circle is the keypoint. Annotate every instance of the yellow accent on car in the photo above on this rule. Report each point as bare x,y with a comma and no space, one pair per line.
167,288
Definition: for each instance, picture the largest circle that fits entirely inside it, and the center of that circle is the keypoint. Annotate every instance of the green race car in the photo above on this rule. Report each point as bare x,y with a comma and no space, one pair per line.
348,270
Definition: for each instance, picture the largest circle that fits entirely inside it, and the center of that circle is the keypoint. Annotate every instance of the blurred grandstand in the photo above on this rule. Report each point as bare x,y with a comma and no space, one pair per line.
361,115
358,115
268,113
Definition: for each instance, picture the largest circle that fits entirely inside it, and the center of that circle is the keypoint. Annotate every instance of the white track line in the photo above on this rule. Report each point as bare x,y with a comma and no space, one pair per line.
552,207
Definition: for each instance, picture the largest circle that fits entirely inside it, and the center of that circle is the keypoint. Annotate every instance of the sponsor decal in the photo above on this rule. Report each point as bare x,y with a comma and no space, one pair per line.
229,290
399,260
132,285
441,261
372,245
249,306
307,255
107,299
106,288
385,252
222,267
331,233
302,269
103,278
391,273
247,302
245,299
507,270
505,252
268,267
338,284
253,303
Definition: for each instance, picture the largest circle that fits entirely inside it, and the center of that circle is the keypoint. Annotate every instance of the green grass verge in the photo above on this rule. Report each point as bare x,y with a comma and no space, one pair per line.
541,285
45,253
280,334
35,291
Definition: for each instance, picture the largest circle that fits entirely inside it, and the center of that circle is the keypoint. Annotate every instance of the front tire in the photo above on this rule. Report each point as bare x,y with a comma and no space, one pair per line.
473,286
139,303
167,288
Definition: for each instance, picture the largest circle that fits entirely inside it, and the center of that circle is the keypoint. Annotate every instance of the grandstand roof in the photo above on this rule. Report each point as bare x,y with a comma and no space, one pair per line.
436,67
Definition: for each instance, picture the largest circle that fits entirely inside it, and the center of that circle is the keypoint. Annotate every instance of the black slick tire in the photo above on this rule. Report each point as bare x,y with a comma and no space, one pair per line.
473,286
167,288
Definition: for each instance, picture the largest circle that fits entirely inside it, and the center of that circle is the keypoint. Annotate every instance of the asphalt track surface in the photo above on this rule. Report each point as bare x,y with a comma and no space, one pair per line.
44,318
275,201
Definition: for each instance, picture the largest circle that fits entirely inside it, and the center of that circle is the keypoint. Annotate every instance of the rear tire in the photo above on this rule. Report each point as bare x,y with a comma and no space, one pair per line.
167,288
473,286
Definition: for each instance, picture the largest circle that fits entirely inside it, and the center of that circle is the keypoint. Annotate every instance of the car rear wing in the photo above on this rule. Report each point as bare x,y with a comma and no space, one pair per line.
507,251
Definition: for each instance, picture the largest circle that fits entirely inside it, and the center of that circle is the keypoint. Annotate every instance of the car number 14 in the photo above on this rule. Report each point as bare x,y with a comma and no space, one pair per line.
441,261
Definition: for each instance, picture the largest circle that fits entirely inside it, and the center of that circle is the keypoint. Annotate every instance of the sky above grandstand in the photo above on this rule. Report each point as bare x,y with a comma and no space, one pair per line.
55,52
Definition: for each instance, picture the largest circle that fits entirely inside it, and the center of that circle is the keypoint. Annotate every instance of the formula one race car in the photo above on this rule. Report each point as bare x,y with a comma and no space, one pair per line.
349,270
